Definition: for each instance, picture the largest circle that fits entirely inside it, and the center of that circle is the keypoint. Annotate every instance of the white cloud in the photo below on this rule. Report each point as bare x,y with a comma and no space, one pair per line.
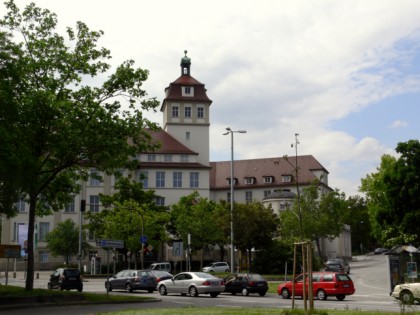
399,124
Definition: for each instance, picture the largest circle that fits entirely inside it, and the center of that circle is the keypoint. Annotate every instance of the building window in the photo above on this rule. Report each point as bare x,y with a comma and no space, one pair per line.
187,136
94,203
44,229
160,179
94,177
200,112
143,178
184,158
167,157
284,206
43,256
20,205
267,193
249,180
268,179
177,179
70,206
187,90
248,196
194,180
188,112
286,178
234,181
175,111
160,201
151,157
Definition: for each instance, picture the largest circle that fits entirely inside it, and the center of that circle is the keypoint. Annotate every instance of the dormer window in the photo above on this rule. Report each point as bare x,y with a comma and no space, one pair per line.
249,180
235,181
268,179
286,178
187,91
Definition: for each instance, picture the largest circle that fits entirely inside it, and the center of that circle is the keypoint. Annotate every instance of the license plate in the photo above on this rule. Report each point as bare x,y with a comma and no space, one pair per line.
72,278
214,283
345,285
260,284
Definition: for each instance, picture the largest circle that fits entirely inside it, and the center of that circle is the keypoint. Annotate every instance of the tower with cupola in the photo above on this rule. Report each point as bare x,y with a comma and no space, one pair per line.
186,112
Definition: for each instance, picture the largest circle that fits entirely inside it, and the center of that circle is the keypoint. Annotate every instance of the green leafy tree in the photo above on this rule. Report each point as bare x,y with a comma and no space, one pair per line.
194,215
55,125
393,196
64,240
321,216
129,209
255,226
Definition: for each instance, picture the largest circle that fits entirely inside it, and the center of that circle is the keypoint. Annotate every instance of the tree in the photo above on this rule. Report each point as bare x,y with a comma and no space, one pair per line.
255,226
64,240
194,215
128,211
54,125
393,196
322,216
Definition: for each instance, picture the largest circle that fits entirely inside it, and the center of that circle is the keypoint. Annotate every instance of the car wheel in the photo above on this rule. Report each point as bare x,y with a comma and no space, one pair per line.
162,290
193,291
262,293
227,270
340,297
79,289
49,286
407,297
285,293
60,287
214,294
245,292
109,287
128,288
321,295
150,290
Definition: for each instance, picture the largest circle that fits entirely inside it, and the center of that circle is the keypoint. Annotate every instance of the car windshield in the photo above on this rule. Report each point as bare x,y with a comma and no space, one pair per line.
255,277
343,277
71,272
204,275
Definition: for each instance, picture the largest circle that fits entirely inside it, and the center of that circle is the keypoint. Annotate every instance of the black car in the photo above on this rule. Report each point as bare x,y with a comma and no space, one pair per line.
338,265
130,280
161,275
246,283
66,279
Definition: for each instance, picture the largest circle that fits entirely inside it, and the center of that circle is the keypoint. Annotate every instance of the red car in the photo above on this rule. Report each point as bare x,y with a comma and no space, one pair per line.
324,284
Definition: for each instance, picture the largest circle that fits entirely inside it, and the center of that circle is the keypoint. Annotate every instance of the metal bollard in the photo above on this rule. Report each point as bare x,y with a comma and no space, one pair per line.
14,275
37,275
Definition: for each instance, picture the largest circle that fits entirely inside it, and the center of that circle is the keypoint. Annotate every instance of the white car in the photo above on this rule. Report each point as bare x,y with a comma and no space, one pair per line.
217,267
407,293
192,283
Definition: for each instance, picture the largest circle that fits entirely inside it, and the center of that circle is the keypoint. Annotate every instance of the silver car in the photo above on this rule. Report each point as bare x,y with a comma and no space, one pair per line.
192,283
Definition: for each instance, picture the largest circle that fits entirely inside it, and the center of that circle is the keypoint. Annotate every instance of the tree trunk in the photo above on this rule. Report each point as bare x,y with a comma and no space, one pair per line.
30,245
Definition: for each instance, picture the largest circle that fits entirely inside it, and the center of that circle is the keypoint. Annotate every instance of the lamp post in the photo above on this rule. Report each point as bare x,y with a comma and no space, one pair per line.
232,183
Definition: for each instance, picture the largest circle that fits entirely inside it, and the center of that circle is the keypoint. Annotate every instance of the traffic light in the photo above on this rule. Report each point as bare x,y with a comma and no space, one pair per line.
82,205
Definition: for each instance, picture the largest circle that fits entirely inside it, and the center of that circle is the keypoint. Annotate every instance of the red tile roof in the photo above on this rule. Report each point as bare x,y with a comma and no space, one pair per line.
259,168
169,145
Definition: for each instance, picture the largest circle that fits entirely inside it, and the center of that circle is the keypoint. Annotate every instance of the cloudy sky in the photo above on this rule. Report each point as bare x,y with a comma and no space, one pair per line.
344,75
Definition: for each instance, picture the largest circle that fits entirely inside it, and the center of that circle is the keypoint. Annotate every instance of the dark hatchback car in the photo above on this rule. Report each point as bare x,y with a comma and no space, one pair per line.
130,280
338,265
161,275
66,279
246,283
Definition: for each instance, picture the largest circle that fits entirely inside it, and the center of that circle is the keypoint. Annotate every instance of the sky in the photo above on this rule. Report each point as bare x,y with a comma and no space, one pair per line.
343,75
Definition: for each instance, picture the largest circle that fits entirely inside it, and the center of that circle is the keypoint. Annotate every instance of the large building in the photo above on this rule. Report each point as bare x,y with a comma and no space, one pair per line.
179,167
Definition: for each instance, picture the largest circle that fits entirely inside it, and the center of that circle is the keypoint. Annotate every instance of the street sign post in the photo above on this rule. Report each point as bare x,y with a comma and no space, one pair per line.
111,243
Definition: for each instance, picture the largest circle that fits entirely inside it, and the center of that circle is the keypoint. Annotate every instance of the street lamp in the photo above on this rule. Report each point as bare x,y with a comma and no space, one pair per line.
232,183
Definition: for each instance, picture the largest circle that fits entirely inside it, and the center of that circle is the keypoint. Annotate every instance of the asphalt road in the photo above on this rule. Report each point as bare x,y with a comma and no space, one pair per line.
369,274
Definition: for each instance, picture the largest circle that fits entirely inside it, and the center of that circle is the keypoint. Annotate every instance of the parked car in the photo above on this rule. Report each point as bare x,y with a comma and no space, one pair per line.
324,284
130,280
217,267
166,266
66,279
339,265
246,283
192,283
380,250
161,275
407,293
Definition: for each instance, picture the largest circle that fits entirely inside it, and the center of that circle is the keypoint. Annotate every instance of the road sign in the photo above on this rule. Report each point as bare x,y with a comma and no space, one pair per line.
178,249
143,239
9,251
111,243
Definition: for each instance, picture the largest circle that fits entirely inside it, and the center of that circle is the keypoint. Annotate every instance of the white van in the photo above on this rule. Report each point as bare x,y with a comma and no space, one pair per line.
161,266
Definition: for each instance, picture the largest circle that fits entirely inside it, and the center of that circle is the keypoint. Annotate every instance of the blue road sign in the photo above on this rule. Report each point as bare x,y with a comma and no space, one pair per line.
112,243
143,239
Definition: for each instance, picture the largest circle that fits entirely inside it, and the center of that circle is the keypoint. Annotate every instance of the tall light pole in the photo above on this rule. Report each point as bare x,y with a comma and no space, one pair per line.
232,183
